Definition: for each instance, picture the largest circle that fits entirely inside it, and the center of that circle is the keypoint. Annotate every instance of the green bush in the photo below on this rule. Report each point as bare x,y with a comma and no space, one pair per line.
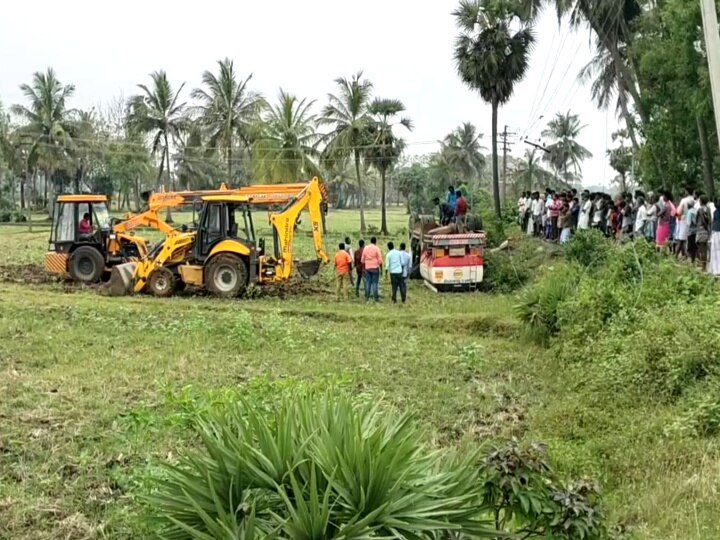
318,467
539,307
19,217
504,272
6,216
588,247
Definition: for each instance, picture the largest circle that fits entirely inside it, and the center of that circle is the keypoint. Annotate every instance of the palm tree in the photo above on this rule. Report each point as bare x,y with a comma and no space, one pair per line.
349,117
196,163
529,171
228,110
491,58
606,82
286,146
85,143
158,112
565,151
463,152
385,148
47,128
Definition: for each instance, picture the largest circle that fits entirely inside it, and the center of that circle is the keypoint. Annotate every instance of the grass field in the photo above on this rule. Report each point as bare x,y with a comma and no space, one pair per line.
95,392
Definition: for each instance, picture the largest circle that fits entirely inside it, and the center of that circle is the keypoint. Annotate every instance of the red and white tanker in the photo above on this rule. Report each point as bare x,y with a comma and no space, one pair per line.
445,259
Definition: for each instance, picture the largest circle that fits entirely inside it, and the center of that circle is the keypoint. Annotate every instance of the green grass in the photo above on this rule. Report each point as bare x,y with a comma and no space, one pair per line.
95,392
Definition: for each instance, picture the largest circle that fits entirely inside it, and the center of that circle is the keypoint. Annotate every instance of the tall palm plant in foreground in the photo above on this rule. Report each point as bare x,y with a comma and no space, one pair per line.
285,150
228,110
348,115
159,113
565,150
492,54
385,148
47,120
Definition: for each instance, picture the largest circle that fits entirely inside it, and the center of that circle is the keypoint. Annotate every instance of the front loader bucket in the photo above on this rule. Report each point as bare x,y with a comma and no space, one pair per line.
308,269
121,279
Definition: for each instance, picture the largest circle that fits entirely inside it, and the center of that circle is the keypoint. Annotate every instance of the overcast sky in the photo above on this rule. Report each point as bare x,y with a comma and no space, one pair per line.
404,46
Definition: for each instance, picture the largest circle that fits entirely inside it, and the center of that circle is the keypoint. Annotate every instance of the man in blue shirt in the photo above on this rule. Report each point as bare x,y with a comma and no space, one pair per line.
394,267
451,197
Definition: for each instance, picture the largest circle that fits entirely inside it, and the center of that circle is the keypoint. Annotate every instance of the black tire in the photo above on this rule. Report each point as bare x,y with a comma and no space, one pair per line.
162,282
86,264
226,276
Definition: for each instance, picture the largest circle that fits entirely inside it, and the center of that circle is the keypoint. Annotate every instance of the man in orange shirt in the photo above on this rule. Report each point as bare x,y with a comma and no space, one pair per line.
343,265
372,261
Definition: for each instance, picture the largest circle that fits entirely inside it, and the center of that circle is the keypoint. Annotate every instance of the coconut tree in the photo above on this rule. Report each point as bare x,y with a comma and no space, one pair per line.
285,149
565,151
492,54
463,152
158,113
385,147
47,125
228,110
196,162
529,172
348,115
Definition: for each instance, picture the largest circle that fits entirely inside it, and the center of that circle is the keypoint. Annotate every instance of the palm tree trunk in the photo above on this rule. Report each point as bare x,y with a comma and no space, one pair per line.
708,182
137,194
383,214
168,215
361,193
229,164
160,172
628,119
495,172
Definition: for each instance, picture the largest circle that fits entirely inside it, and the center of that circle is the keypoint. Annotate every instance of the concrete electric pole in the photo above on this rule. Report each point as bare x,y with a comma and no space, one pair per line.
506,145
712,47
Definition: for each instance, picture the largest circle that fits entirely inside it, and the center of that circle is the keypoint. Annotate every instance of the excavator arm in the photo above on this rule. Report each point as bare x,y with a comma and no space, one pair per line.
284,224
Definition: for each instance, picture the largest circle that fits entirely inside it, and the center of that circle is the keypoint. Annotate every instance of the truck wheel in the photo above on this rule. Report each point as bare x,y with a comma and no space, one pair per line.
86,264
226,276
162,282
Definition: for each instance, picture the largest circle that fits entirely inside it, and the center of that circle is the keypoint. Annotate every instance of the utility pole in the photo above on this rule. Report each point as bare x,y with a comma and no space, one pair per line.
505,134
712,47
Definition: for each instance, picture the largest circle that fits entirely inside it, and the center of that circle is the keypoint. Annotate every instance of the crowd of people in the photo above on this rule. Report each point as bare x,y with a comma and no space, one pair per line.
364,266
689,229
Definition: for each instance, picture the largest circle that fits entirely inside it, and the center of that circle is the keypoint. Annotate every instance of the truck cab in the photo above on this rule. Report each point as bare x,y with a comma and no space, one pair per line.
82,243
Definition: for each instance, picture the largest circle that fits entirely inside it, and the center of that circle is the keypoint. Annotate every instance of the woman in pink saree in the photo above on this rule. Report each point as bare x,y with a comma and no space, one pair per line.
664,218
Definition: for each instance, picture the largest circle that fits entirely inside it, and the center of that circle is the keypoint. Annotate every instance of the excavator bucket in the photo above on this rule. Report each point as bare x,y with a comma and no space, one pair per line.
308,269
121,279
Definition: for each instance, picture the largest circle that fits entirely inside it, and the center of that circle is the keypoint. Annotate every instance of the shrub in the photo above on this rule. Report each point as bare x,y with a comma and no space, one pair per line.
503,272
5,216
588,247
19,217
539,306
318,466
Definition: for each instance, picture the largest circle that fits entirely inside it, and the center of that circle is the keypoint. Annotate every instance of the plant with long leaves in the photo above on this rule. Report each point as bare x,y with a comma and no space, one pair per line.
565,150
319,466
228,110
159,113
529,173
47,124
463,152
286,146
385,147
492,54
349,117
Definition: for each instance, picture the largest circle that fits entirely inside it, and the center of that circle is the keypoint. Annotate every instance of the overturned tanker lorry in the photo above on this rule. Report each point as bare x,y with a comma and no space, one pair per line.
447,258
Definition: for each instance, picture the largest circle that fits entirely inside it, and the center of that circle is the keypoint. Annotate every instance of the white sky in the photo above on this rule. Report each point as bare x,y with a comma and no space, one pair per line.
105,48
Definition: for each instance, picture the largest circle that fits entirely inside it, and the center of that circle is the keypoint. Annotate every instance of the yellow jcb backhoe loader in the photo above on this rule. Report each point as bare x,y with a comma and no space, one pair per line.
85,254
222,255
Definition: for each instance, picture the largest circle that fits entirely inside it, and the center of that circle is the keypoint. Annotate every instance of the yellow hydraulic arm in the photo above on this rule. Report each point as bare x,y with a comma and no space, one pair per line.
284,223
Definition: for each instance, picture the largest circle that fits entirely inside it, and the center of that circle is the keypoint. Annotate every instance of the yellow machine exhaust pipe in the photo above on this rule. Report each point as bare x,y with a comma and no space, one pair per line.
121,279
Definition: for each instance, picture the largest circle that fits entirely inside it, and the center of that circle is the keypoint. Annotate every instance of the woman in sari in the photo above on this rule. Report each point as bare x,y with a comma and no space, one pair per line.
664,219
651,219
714,265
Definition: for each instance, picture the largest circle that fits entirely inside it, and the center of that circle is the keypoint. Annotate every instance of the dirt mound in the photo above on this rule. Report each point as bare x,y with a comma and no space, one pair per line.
295,286
34,274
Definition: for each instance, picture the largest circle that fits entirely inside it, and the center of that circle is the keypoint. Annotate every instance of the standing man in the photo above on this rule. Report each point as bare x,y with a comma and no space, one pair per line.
343,274
348,248
393,266
406,261
359,267
447,212
371,261
461,209
451,196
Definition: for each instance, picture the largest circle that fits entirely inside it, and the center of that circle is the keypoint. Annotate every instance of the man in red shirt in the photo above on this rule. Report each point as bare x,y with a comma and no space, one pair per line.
359,267
372,261
461,209
343,271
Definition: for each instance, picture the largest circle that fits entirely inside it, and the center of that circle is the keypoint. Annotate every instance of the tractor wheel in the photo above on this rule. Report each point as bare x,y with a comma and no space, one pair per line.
226,276
86,264
162,282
